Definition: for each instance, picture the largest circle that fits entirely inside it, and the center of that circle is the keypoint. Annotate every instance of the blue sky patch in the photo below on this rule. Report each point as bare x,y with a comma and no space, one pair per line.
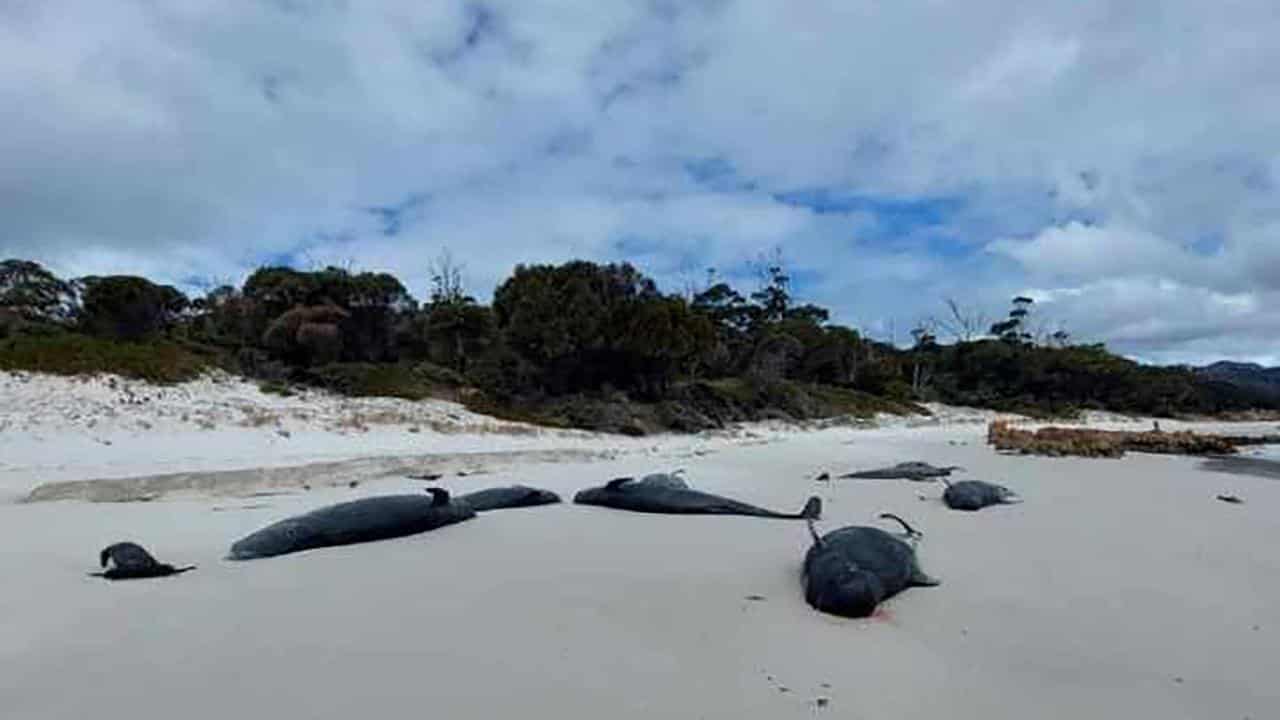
893,215
1208,245
717,174
392,218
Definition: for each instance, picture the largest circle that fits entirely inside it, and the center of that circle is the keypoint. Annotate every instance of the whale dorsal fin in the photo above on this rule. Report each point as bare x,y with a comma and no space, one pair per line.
439,496
617,483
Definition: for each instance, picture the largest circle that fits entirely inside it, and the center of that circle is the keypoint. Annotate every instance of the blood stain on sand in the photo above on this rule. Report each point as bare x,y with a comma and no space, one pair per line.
882,614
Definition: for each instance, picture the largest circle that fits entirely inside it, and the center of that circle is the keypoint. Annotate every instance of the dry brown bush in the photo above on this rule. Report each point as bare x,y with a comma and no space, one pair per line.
309,333
1083,442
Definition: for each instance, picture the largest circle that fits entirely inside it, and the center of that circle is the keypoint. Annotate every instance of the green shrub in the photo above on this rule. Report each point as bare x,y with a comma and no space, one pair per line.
692,407
129,308
401,380
160,361
275,387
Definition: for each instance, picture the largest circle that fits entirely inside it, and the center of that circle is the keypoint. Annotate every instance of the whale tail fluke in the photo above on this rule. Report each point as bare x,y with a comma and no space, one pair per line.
911,532
812,509
813,531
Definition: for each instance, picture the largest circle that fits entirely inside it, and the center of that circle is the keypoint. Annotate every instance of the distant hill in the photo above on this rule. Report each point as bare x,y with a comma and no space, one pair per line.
1249,377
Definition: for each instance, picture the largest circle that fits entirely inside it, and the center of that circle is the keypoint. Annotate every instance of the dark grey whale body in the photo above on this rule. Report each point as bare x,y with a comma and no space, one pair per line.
627,494
356,521
848,572
918,471
130,561
511,496
976,494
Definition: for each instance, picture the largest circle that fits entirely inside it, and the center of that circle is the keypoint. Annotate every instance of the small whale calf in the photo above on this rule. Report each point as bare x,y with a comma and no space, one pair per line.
511,496
850,571
130,561
976,494
355,521
639,496
917,471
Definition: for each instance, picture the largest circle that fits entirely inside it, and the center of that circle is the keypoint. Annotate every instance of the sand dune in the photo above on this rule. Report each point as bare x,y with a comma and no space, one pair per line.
58,430
300,478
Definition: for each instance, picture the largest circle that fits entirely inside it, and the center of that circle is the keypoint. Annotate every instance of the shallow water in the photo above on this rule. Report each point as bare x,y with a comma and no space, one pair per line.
1267,452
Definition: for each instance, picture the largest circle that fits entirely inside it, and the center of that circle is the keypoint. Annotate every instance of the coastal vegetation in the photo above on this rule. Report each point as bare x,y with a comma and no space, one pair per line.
578,344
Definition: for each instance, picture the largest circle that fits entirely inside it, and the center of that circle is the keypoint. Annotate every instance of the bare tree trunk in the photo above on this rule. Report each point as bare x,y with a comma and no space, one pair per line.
920,377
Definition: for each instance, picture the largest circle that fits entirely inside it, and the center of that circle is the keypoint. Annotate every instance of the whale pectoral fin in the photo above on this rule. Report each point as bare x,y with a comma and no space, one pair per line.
922,579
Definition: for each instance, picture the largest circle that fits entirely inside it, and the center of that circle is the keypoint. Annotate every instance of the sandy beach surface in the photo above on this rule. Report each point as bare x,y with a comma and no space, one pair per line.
1119,588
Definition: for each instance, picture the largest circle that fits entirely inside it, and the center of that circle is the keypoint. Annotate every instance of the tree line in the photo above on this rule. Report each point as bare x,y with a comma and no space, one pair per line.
579,329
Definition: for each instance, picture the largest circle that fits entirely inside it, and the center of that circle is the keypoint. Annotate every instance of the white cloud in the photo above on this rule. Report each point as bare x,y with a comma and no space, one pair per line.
1161,319
200,138
1076,250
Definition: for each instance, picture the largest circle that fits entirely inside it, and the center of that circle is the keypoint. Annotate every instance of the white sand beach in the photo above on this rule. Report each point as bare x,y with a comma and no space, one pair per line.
1119,588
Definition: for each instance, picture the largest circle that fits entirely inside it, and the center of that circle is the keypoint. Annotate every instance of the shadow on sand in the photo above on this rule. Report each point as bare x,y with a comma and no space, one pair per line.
1256,467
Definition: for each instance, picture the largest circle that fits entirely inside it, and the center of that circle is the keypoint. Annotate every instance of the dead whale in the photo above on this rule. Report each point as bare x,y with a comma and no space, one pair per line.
628,494
130,561
511,496
977,494
917,471
848,572
355,521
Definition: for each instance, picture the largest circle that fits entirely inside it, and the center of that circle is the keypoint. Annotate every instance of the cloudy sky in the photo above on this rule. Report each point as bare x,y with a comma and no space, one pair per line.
1117,161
